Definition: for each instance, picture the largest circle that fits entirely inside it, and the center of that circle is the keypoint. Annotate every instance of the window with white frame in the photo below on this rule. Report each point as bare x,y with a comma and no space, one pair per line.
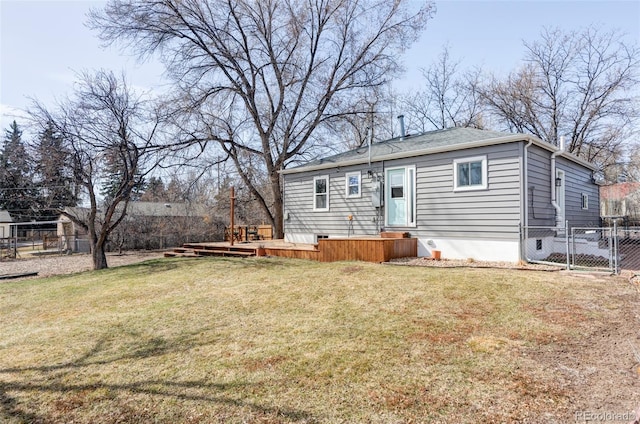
353,184
470,173
585,201
321,193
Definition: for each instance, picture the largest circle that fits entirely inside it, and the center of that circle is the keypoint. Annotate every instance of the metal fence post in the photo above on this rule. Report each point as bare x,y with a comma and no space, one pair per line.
523,255
611,249
616,270
566,233
573,248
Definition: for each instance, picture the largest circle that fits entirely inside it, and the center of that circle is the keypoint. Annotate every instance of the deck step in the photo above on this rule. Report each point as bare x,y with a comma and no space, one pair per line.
196,250
180,255
196,246
223,252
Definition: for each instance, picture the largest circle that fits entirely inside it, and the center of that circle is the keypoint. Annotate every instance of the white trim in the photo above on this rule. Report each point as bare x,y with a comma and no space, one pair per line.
302,238
471,187
469,248
346,184
315,195
411,196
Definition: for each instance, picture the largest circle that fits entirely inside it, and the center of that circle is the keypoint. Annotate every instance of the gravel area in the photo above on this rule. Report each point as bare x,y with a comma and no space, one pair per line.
466,263
49,265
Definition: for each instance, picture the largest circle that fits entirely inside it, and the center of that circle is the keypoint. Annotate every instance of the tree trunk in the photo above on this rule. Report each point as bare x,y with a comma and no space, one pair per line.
97,250
99,257
278,201
278,224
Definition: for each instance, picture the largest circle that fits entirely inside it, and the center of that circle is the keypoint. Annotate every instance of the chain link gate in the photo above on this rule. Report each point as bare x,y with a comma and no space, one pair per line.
628,248
594,249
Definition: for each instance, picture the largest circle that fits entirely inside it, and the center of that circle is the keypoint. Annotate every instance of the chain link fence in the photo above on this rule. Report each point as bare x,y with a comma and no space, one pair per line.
610,249
628,248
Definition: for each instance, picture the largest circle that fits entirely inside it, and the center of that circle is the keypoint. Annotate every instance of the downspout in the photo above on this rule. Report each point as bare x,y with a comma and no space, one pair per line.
554,202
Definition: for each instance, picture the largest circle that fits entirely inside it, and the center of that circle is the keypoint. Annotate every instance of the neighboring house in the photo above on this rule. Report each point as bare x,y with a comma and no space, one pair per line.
147,225
5,221
463,191
621,200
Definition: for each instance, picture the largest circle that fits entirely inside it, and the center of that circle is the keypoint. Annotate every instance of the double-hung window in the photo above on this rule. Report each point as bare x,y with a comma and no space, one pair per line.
353,185
321,193
470,173
400,196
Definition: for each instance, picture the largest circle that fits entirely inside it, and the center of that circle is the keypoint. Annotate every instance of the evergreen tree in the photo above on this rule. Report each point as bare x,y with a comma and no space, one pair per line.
17,192
155,191
115,175
54,178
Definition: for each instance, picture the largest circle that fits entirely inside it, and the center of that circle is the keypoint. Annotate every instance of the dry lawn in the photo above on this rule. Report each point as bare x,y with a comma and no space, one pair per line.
269,340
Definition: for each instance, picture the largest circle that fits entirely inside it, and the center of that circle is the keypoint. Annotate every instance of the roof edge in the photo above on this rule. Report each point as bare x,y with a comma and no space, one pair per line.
443,149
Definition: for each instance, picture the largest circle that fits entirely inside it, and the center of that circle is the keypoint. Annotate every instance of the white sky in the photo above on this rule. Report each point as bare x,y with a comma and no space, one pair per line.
43,44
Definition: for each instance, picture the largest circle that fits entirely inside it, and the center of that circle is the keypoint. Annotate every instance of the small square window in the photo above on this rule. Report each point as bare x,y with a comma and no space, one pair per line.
397,192
470,173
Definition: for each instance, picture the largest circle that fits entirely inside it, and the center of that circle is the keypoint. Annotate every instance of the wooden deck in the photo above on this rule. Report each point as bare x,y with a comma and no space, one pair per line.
368,249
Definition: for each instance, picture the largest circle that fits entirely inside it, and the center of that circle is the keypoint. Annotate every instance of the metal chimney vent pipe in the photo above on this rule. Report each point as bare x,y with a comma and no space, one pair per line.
401,119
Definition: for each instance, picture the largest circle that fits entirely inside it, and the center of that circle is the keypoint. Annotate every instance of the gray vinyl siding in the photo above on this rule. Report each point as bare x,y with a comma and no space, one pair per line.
578,181
540,210
492,214
298,200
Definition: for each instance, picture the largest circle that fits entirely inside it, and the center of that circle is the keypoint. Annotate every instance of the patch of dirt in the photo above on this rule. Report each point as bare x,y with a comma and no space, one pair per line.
47,266
598,369
467,263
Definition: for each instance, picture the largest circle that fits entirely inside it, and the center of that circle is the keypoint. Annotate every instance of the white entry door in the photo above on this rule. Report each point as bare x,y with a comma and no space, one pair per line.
400,196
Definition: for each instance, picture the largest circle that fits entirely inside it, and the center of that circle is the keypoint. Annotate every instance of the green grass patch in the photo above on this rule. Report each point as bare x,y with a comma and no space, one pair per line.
277,340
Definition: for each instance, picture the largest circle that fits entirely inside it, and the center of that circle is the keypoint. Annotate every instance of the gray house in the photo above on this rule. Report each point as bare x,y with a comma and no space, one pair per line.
462,191
5,221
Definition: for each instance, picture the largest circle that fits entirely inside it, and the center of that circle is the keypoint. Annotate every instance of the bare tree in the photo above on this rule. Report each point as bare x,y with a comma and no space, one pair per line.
376,120
262,78
108,132
626,168
633,167
576,84
449,98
